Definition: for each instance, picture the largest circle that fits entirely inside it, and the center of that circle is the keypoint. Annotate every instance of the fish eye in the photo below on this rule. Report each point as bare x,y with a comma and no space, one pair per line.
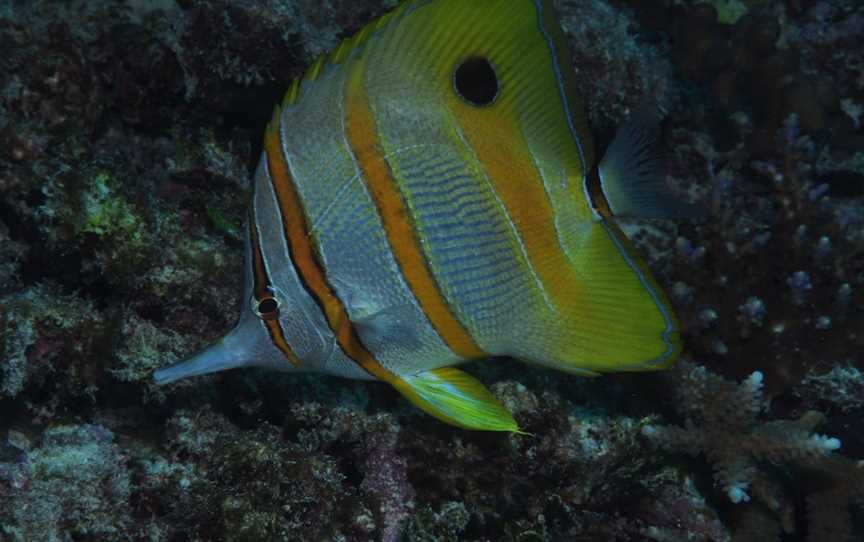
476,82
266,307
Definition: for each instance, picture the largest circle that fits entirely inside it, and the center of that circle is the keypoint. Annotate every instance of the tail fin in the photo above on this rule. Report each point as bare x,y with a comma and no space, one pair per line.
631,174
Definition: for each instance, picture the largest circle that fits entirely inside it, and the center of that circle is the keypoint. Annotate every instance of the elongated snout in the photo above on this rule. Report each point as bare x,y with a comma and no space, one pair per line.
213,359
226,353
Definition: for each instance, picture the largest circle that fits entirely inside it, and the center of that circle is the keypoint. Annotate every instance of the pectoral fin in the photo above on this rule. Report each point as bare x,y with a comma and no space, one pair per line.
455,397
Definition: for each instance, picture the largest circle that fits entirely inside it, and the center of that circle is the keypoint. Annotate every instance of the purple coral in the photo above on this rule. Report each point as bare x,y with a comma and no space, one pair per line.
386,478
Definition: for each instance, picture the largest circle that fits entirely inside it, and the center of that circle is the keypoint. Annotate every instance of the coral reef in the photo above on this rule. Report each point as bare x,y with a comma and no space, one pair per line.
127,134
43,327
74,484
842,387
723,424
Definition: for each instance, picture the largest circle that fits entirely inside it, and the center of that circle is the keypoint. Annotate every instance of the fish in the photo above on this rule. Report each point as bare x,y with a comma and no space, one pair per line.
428,195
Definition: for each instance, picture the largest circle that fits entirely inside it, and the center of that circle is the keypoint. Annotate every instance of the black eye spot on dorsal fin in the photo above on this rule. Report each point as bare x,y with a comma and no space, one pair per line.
476,82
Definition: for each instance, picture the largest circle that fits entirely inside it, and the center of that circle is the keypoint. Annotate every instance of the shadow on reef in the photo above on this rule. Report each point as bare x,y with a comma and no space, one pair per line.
127,134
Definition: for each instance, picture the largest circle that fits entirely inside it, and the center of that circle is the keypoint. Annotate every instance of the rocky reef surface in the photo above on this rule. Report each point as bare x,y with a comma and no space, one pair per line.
128,130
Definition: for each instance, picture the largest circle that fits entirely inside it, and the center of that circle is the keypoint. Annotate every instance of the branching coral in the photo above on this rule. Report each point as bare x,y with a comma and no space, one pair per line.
842,387
723,423
794,300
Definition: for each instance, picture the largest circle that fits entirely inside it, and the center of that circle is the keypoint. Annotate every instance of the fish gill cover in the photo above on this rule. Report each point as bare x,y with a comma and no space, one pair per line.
127,134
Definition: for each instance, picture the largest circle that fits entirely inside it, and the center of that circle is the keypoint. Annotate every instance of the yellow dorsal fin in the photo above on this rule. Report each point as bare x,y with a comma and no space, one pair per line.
292,93
315,69
341,52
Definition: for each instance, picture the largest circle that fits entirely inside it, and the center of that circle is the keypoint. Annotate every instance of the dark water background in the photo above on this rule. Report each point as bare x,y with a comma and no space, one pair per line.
127,133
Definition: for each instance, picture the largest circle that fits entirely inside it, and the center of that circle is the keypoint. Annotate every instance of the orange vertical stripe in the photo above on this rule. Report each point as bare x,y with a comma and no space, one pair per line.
596,198
518,183
261,290
306,260
395,215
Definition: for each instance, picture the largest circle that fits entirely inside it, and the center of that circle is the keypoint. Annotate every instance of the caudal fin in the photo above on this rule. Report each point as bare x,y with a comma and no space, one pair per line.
632,172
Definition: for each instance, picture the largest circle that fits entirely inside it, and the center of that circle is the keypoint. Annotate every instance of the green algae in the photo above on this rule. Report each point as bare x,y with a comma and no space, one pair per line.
730,11
222,223
106,211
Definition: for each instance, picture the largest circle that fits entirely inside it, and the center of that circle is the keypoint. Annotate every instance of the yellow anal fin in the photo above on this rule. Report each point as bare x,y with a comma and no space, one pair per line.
457,398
